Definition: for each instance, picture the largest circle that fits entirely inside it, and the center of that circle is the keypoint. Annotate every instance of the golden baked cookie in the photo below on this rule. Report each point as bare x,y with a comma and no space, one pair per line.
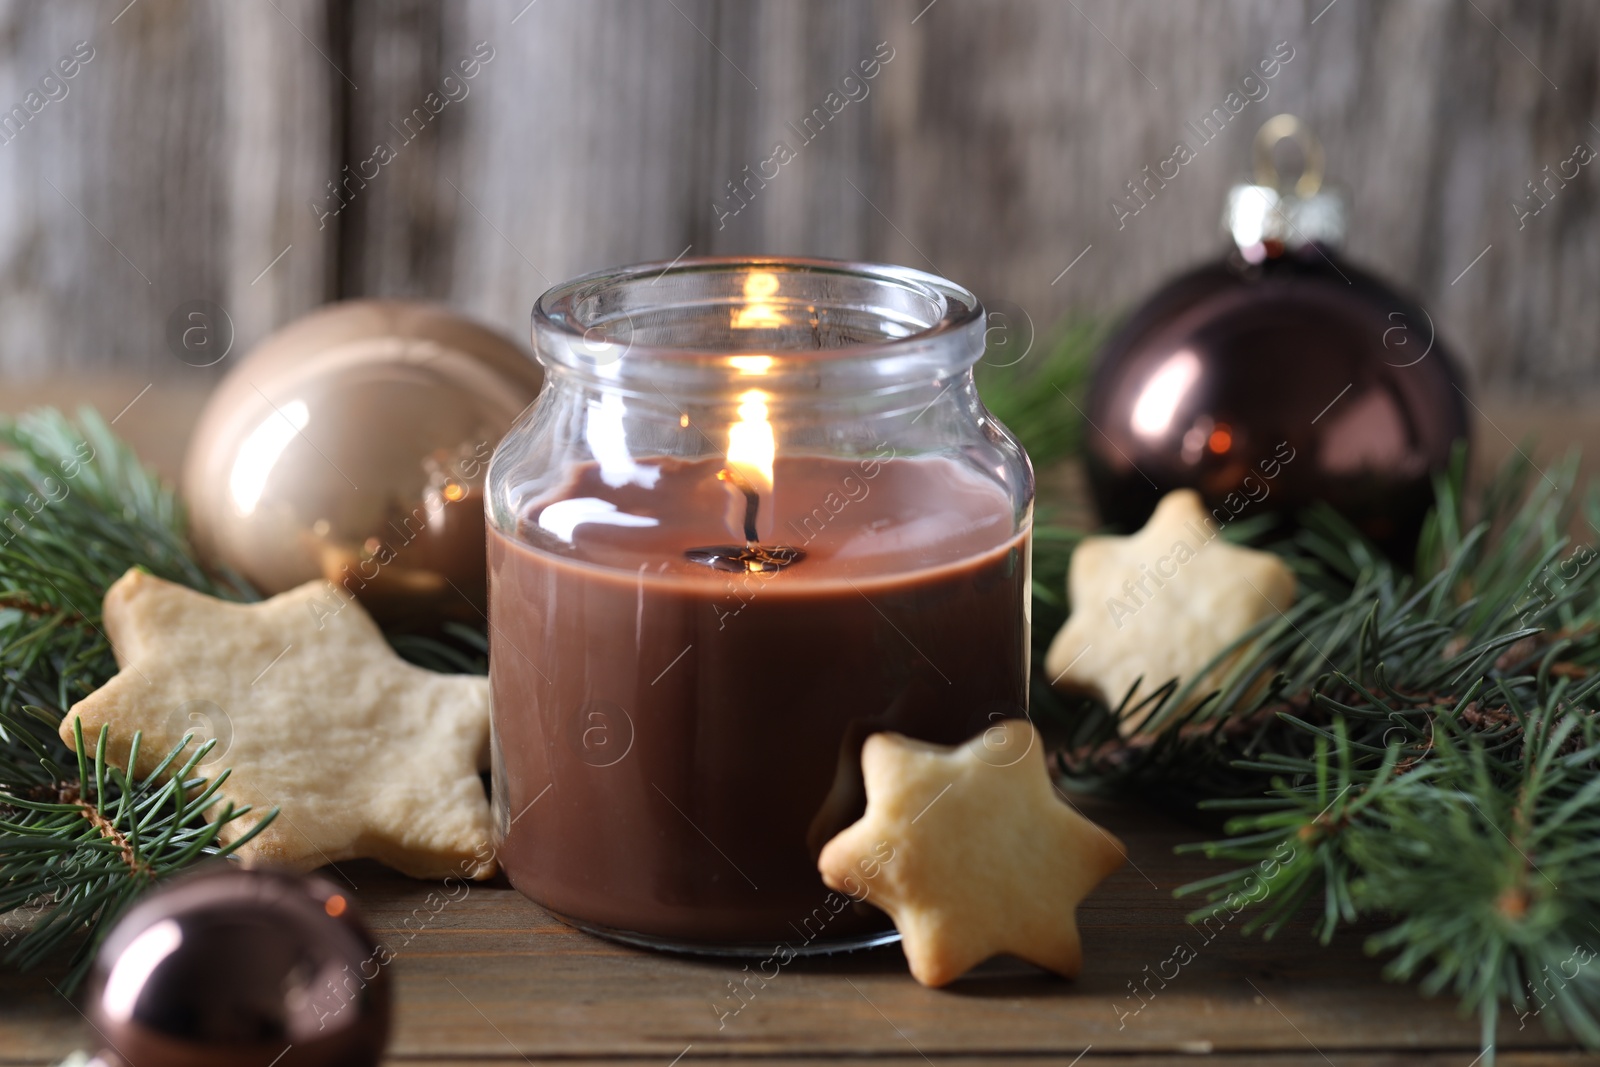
1161,604
363,754
972,852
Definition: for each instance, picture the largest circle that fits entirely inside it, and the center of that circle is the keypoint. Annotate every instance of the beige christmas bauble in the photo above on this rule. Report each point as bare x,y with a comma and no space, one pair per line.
351,445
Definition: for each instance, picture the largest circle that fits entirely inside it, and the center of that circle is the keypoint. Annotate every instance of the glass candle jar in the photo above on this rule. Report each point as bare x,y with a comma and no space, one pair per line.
757,514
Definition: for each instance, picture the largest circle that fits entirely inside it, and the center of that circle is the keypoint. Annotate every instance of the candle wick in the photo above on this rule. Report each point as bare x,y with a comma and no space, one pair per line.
753,557
752,502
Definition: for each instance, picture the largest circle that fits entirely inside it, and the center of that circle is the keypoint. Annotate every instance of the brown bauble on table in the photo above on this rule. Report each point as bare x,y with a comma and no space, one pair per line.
230,967
351,445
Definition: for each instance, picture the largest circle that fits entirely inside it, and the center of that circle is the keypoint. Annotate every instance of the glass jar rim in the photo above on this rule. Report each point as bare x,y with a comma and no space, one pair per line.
940,323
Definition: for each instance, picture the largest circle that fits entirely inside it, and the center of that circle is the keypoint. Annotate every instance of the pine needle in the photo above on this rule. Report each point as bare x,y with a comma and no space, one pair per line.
1417,747
80,840
1038,394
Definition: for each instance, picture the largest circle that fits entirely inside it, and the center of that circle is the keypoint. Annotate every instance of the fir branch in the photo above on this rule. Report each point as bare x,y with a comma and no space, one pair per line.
1417,746
1038,395
1491,600
74,861
1492,873
80,840
457,649
76,512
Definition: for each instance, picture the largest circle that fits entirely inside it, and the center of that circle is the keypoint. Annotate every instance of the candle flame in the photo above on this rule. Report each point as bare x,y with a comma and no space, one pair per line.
751,444
756,365
758,313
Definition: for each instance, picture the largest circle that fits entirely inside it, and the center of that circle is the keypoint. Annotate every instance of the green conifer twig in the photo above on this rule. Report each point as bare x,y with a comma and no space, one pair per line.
79,839
1426,742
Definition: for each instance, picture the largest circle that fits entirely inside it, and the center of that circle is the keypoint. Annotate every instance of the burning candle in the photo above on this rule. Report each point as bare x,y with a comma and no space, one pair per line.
749,471
774,520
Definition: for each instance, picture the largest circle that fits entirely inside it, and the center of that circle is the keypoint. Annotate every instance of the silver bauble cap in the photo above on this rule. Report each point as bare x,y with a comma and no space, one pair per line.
1270,214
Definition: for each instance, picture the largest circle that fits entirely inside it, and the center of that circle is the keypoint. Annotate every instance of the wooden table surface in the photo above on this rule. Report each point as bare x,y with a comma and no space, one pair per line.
492,979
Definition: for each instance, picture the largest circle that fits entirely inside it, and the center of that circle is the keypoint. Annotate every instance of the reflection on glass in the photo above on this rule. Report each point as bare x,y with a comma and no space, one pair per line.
565,516
757,314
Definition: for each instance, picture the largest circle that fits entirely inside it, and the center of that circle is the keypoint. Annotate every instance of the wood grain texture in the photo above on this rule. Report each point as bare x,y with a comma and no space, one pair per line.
191,150
1092,1059
491,978
173,169
1429,144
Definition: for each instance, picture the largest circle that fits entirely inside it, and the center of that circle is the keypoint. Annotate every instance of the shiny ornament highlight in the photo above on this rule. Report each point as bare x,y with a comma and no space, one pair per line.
241,968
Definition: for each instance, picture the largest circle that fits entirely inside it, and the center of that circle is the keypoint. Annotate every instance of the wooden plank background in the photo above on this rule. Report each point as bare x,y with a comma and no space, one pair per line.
184,160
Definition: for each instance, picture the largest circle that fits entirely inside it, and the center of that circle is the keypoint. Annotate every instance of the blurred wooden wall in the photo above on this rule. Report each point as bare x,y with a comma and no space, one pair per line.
184,161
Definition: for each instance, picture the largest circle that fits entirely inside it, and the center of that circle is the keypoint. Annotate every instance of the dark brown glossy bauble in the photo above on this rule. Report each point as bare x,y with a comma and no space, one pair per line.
351,445
241,968
1269,387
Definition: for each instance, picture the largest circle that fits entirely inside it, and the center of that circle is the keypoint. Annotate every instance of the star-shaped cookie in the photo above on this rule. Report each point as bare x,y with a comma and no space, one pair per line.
971,851
1161,604
363,754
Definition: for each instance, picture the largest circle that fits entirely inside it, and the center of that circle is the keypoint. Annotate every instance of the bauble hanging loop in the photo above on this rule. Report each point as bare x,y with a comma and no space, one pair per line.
1281,128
